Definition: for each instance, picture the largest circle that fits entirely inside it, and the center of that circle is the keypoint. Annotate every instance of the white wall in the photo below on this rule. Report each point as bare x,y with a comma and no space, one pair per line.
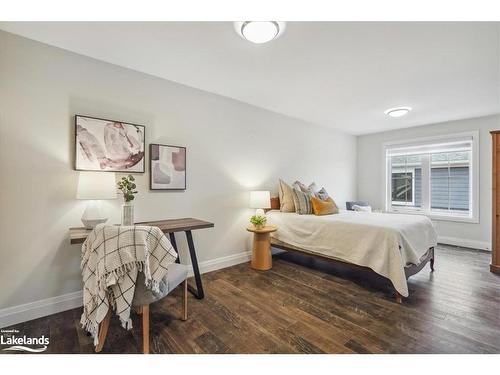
371,180
232,148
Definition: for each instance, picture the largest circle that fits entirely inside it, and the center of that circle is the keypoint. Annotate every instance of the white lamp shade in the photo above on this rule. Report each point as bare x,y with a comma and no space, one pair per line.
96,185
260,199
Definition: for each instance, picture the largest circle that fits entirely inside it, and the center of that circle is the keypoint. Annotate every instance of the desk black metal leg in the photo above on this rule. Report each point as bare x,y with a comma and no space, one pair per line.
198,292
174,245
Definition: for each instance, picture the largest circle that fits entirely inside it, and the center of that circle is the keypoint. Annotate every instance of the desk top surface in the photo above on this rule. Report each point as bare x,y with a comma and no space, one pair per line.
78,235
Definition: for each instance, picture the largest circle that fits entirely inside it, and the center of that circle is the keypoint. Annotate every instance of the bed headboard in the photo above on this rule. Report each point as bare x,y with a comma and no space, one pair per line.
275,203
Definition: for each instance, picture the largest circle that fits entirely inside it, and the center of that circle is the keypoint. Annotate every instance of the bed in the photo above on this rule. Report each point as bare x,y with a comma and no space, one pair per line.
395,246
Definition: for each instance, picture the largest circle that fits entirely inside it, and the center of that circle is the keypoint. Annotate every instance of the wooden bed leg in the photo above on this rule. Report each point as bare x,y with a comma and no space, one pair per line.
432,261
399,297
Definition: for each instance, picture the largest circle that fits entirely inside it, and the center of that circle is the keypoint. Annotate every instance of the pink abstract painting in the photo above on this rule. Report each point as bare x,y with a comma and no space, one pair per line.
106,145
168,167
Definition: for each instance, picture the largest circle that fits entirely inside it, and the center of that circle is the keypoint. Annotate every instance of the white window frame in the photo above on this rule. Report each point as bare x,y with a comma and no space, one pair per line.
472,217
406,170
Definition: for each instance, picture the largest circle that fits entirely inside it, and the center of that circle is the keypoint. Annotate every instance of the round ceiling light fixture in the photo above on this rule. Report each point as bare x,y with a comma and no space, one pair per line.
398,111
259,32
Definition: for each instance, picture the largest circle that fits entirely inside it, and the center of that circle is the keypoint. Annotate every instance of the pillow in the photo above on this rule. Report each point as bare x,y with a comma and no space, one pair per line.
299,186
286,197
302,202
349,204
322,194
312,189
362,208
321,207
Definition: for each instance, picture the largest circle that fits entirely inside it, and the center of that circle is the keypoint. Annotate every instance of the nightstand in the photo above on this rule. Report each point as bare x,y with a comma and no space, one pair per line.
261,253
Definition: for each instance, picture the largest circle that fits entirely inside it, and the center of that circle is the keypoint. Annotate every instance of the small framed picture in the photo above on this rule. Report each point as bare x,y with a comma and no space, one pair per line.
108,145
167,167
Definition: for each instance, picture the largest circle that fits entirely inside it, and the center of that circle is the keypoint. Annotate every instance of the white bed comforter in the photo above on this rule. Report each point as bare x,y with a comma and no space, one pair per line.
381,241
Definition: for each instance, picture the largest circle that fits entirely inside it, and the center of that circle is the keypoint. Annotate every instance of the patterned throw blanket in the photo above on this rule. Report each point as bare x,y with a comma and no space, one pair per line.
112,256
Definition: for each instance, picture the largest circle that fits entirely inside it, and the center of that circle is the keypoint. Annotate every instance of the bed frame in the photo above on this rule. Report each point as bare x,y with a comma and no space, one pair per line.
428,257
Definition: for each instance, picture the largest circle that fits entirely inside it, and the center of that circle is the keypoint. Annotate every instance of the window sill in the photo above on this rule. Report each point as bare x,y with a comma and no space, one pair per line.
438,217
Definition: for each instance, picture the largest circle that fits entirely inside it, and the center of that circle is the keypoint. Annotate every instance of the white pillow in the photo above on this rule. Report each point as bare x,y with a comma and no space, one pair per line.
362,208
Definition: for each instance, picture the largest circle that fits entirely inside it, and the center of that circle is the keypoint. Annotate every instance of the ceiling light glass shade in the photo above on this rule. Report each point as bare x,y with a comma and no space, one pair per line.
259,31
397,112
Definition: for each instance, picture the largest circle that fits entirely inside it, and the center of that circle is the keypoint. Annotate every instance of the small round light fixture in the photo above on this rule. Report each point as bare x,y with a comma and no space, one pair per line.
397,112
259,31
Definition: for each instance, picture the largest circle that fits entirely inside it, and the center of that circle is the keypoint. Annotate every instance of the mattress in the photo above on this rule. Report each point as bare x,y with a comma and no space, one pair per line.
384,242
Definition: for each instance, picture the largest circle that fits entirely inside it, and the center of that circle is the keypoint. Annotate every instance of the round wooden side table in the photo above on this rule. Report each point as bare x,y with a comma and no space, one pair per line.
261,253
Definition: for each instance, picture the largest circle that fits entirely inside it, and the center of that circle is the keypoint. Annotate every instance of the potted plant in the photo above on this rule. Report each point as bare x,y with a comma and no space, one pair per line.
127,186
258,221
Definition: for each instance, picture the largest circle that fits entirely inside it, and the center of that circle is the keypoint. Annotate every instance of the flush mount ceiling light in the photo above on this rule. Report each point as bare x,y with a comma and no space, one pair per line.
398,111
259,31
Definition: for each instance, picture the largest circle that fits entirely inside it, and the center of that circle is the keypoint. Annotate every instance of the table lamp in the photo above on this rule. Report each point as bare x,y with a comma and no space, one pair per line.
95,186
260,200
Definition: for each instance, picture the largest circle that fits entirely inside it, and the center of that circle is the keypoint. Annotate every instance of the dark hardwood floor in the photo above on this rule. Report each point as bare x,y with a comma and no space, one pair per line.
295,308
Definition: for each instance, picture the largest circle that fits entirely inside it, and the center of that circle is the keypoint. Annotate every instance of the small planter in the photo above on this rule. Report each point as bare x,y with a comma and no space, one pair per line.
258,221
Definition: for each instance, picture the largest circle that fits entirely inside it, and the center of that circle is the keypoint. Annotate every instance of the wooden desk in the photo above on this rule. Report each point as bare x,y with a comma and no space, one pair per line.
186,225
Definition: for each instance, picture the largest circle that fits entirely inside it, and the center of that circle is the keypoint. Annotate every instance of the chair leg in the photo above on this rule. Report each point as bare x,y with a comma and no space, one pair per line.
432,261
145,329
399,297
185,300
103,330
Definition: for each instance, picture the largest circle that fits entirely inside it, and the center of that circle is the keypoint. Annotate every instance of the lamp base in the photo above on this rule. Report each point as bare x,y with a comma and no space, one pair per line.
92,216
260,212
92,223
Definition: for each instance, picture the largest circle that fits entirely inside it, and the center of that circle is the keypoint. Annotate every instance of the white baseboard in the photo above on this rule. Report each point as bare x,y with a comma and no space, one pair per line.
223,262
33,310
462,242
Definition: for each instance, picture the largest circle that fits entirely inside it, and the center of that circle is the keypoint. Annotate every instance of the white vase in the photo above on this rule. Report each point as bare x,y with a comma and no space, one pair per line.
128,213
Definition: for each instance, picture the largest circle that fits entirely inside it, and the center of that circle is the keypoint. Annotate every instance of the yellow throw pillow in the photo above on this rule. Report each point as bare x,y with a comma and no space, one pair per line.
326,207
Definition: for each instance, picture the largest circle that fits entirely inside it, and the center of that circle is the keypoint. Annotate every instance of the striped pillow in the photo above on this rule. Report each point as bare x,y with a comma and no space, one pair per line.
302,202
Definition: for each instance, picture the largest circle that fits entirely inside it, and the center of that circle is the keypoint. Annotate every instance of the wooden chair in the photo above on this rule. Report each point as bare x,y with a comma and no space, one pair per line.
143,297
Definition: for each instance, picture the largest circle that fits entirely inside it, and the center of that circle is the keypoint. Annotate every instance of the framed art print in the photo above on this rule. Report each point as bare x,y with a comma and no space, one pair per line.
108,145
167,167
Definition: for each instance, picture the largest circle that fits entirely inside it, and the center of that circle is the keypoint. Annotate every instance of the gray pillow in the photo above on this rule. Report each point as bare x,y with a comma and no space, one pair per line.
302,202
322,194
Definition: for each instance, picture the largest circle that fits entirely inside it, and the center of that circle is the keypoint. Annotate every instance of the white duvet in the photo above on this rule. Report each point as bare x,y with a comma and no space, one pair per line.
384,242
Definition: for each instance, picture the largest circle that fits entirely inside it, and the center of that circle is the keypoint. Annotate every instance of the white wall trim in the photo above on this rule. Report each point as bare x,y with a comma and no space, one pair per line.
223,262
34,310
462,242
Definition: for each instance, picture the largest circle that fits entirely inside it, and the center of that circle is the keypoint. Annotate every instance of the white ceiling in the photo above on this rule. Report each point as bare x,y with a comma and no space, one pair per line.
341,75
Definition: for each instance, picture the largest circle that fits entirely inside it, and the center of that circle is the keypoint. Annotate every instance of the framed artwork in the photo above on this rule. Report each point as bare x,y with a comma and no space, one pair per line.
107,145
167,167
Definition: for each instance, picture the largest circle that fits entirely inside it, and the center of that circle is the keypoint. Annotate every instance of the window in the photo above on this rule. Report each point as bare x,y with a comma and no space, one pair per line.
406,180
434,176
